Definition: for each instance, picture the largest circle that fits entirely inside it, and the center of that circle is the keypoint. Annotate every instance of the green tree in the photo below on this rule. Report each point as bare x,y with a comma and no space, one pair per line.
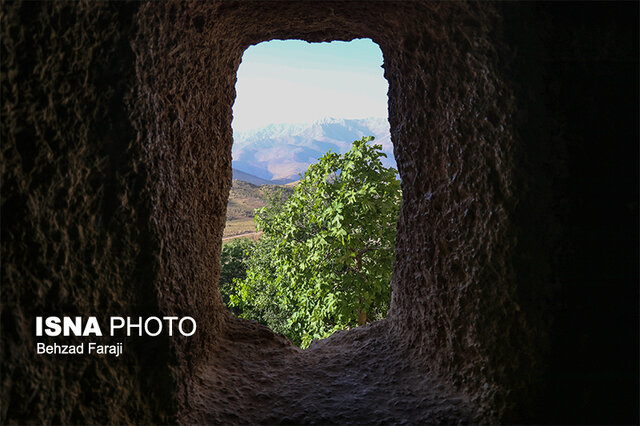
324,262
233,266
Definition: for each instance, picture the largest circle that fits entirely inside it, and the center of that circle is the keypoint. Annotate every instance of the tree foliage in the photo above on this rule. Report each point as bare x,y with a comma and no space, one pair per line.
324,262
234,259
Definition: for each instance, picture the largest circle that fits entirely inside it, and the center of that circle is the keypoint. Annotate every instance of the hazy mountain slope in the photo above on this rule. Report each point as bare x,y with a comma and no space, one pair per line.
246,177
282,151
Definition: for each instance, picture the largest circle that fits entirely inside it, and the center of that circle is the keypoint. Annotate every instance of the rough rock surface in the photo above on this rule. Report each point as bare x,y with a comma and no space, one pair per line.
352,377
76,238
116,169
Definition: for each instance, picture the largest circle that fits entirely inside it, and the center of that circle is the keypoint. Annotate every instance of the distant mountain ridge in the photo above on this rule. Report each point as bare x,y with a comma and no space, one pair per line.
278,153
246,177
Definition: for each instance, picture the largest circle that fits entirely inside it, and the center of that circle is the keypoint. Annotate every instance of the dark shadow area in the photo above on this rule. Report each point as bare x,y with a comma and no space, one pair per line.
578,68
596,94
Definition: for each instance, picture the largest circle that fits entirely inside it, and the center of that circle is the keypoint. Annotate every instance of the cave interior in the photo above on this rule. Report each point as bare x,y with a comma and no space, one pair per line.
515,286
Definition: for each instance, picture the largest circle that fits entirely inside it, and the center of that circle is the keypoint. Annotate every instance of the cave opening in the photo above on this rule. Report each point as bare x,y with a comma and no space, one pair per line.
302,110
454,152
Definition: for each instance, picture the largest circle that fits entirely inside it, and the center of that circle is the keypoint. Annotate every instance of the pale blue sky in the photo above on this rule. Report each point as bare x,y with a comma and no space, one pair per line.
293,81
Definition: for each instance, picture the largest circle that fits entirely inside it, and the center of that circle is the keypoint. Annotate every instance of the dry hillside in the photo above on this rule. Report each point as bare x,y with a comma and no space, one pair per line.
244,199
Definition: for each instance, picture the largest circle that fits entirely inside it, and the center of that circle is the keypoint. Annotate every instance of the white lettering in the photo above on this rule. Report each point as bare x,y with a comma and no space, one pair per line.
146,326
113,324
39,326
92,327
130,326
56,349
72,326
53,326
67,326
75,326
170,319
192,322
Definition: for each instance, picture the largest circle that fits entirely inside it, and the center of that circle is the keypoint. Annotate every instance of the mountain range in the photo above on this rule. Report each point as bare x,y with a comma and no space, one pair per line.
278,153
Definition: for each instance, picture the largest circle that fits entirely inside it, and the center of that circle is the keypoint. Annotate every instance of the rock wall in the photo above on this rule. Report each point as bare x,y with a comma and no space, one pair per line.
117,168
76,232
